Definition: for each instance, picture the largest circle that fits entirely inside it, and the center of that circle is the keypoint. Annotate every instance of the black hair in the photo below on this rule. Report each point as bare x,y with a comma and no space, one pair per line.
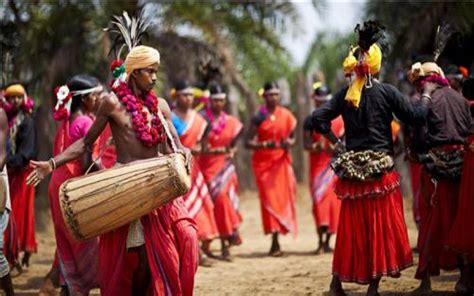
80,82
270,85
215,88
323,90
182,84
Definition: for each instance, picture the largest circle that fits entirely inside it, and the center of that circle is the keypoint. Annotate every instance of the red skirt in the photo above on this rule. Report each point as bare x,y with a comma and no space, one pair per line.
438,207
372,239
415,170
23,209
462,234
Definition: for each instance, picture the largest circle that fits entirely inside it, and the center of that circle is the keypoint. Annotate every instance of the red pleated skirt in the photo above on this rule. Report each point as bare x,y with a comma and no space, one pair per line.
438,207
462,234
372,239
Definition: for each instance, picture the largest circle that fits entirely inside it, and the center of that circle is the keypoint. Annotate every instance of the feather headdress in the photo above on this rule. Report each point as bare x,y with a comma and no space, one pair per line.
129,31
443,34
369,33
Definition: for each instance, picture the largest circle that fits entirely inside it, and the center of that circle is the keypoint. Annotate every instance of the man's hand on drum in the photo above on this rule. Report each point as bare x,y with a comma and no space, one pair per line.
40,170
188,155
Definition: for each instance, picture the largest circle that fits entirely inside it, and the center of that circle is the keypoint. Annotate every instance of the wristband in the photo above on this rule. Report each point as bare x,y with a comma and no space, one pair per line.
52,163
426,96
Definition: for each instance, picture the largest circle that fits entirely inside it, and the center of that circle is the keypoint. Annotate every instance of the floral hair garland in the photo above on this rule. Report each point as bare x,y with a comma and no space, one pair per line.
63,104
149,135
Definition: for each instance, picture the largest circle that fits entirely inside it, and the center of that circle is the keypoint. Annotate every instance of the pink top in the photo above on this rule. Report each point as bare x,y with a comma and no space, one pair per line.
79,127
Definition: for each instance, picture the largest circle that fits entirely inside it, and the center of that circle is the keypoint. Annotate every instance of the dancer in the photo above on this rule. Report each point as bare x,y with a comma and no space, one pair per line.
461,239
448,125
22,150
5,206
78,261
271,136
219,147
326,205
372,239
191,127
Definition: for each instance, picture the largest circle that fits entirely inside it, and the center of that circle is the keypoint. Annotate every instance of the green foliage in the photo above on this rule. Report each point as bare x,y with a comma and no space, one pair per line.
247,33
327,53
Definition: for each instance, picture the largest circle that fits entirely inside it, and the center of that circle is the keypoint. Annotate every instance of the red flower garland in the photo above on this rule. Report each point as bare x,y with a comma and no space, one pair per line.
217,126
149,135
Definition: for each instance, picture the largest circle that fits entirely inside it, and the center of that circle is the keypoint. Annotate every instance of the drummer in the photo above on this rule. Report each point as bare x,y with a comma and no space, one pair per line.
134,260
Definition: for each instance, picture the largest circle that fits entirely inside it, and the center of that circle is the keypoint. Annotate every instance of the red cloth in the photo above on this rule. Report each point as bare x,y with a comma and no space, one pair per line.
11,242
78,261
221,178
274,174
172,253
415,171
372,239
23,209
438,208
198,200
462,234
326,205
107,149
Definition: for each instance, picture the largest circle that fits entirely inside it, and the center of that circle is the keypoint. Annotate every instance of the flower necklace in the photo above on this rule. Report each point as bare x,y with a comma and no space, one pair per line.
149,134
217,126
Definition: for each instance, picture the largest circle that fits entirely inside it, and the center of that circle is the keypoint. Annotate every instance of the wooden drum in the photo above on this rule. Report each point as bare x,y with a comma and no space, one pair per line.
103,201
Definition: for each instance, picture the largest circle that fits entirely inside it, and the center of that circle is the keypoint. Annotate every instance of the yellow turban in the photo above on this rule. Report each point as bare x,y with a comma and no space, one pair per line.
369,64
141,57
419,70
15,90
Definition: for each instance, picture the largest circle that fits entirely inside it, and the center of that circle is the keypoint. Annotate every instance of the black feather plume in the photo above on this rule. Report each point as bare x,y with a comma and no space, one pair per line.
369,33
443,34
129,31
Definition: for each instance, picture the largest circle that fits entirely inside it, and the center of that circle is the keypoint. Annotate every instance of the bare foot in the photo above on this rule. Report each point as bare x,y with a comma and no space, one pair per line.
275,250
335,289
16,270
319,250
226,256
47,289
276,253
25,261
211,255
327,249
424,288
373,289
204,261
49,285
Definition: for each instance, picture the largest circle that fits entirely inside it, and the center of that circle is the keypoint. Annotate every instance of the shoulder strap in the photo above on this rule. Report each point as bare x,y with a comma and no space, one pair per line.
166,127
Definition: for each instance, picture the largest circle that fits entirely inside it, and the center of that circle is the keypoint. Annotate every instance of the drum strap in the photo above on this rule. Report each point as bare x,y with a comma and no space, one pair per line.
165,125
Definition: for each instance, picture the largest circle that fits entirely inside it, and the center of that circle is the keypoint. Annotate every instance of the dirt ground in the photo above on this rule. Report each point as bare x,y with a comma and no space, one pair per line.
298,272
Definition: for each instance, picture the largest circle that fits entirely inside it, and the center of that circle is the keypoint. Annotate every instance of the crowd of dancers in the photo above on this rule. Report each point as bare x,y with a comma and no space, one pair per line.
353,184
